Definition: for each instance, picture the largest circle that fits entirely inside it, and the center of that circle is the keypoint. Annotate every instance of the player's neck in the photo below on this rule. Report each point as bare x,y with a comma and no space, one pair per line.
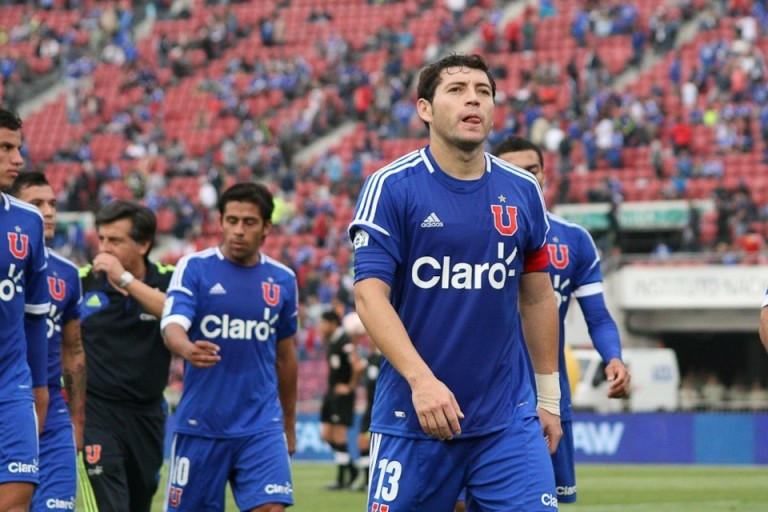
457,162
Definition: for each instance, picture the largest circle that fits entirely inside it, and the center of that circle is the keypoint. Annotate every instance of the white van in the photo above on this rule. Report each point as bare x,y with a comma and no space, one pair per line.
654,386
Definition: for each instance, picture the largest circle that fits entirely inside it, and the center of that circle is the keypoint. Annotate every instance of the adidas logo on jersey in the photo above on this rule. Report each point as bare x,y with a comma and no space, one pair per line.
217,289
432,221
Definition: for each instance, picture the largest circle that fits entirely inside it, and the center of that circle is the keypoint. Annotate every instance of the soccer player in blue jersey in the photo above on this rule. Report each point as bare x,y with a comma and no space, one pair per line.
450,243
231,313
62,435
575,272
24,304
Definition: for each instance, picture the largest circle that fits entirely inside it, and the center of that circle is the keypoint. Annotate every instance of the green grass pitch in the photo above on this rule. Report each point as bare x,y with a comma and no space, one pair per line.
602,488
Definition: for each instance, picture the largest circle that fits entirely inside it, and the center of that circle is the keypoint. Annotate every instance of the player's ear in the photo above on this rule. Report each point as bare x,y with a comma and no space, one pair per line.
424,109
144,247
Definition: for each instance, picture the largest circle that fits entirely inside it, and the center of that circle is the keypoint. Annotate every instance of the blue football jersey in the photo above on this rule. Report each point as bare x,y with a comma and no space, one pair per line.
65,291
574,267
23,289
245,311
453,252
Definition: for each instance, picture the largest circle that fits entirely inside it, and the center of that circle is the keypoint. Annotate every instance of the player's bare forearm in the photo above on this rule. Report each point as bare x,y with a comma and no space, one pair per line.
41,406
387,331
435,404
287,368
73,373
764,326
200,354
540,321
177,340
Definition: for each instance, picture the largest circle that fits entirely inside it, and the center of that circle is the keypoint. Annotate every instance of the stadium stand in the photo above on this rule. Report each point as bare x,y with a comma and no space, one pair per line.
169,102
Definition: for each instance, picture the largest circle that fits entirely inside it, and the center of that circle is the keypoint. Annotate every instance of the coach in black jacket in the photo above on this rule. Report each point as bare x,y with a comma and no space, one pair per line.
123,294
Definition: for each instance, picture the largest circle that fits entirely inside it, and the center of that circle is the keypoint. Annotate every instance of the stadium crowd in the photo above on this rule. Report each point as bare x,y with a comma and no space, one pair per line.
167,102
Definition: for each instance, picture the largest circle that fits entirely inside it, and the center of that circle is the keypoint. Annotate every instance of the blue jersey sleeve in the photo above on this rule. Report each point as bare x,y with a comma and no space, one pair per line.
602,328
376,231
588,289
588,263
37,300
288,321
180,301
36,329
72,308
36,306
372,260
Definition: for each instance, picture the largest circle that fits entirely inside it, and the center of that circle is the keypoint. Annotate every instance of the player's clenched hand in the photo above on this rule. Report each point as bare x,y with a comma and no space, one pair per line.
619,377
438,411
550,425
203,354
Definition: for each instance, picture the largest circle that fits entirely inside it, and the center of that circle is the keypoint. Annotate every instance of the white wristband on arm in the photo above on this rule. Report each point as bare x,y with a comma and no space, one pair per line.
548,392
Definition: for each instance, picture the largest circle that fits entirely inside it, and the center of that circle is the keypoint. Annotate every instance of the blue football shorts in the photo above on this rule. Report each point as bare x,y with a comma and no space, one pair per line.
506,471
19,455
259,467
564,465
58,469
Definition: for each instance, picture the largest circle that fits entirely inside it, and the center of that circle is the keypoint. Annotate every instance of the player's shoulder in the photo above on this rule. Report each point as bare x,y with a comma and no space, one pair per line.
404,167
61,264
283,269
198,257
20,208
509,171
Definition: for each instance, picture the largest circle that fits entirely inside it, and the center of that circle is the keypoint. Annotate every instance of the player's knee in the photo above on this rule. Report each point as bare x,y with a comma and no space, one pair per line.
461,506
16,496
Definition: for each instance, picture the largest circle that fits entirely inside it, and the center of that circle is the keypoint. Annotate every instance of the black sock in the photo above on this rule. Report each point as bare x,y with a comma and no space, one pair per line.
341,456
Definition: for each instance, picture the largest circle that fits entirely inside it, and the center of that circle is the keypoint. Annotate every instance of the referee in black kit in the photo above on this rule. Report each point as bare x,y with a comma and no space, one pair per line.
123,295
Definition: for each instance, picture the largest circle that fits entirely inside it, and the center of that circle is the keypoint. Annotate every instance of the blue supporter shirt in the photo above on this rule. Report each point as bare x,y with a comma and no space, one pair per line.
66,295
23,290
453,252
574,267
245,311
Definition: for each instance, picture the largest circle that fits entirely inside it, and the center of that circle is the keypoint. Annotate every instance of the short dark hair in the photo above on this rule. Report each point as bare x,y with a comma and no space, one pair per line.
429,78
9,119
330,315
254,193
28,179
515,143
143,221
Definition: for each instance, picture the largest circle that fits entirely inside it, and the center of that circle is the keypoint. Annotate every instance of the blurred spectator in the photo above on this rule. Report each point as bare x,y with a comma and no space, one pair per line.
757,396
713,392
690,398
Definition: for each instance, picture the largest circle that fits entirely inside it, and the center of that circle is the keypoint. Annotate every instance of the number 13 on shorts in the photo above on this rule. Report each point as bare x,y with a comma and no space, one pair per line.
387,484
